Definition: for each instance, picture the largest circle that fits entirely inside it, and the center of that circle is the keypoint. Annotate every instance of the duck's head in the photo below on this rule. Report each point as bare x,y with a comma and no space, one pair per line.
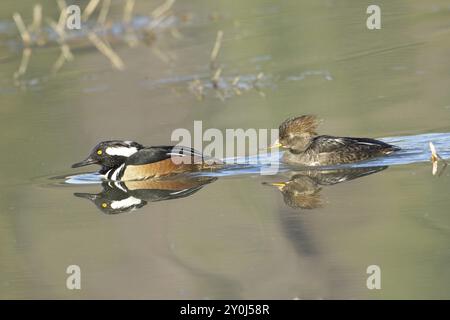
296,133
113,200
110,154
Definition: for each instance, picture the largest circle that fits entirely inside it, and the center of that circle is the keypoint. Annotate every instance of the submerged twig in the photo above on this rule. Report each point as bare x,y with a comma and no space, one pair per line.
60,30
162,9
24,33
116,61
59,63
26,54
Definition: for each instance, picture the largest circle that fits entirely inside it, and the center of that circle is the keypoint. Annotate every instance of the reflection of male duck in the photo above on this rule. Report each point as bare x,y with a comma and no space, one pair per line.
303,188
123,196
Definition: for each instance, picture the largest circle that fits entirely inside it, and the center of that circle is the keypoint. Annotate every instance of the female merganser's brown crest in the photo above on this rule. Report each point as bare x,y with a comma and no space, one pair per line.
296,133
305,147
299,125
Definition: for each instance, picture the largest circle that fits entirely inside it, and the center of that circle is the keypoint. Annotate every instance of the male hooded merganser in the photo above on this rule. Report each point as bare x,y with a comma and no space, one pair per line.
304,147
129,160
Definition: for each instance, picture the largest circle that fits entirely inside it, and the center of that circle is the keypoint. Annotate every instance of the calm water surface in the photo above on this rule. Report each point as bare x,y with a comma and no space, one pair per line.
235,236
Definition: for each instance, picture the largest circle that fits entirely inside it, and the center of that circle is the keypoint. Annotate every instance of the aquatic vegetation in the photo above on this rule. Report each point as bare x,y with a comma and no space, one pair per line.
224,87
98,33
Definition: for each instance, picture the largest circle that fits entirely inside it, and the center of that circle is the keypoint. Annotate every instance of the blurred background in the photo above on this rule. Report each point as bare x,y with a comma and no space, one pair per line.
235,238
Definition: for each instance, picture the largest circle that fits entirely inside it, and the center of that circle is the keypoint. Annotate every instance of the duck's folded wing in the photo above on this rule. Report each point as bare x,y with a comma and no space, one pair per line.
325,144
160,153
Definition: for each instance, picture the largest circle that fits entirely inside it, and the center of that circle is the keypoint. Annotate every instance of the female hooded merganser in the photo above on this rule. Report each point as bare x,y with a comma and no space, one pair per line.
129,160
304,147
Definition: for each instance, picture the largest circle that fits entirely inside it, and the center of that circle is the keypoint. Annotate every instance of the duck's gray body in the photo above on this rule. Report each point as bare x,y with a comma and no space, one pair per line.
328,150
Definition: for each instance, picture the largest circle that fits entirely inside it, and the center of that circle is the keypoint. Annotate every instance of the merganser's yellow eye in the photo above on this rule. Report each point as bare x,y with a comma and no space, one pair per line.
104,205
99,152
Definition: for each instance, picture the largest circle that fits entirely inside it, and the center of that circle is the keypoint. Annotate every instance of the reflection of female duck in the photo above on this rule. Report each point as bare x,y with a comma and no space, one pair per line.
124,196
303,188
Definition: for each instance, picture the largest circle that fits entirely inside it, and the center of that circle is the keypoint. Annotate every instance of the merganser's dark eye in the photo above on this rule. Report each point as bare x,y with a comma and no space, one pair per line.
99,152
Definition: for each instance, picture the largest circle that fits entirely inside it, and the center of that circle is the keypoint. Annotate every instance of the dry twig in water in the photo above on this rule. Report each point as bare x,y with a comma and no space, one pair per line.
116,61
162,9
101,20
35,26
24,34
435,158
26,54
216,49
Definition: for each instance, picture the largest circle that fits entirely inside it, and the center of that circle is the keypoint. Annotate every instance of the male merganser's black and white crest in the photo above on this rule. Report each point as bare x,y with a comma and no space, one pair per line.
110,154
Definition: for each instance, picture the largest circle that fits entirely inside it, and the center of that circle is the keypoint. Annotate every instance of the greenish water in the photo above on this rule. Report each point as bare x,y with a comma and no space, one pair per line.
235,237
